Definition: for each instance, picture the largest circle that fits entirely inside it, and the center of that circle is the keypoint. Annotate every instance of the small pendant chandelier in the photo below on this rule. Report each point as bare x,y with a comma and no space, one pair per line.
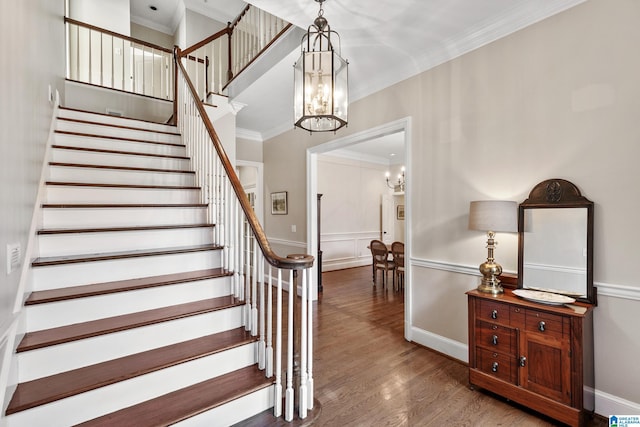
321,94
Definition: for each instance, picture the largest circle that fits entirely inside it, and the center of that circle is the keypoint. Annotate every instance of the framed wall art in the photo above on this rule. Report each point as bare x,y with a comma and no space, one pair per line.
279,203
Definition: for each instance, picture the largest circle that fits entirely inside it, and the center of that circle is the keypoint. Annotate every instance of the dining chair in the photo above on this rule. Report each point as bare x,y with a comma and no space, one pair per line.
397,250
381,261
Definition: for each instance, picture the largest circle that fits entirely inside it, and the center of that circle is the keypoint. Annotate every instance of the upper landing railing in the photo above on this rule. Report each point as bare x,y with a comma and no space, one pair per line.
216,60
104,58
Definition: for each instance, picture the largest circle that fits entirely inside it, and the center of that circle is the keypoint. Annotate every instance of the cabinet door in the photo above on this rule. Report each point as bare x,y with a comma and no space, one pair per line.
545,366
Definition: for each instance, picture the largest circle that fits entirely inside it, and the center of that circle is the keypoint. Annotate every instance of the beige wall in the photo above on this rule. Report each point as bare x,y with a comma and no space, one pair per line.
249,150
557,99
111,15
26,113
150,35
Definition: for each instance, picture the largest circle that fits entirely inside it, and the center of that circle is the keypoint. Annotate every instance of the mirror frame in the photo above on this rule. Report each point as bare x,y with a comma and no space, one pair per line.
558,193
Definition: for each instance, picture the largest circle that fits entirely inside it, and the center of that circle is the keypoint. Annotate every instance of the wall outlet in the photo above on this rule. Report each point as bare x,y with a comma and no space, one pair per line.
50,95
293,228
13,257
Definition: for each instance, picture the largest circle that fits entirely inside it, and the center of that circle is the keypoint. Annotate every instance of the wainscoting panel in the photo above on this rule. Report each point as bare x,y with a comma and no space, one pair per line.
346,250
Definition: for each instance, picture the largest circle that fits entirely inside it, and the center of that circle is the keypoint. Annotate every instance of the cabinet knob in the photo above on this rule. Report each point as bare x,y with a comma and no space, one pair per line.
494,314
523,361
541,326
494,367
494,340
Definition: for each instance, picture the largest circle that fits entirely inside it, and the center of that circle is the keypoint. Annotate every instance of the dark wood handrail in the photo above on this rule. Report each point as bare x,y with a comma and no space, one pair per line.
114,34
298,263
233,24
205,41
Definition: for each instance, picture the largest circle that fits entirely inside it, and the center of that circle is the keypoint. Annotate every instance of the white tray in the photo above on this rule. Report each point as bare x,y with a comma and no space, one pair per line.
544,297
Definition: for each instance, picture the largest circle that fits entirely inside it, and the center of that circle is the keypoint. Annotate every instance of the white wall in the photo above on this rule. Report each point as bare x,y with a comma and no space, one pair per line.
25,76
558,99
351,209
111,15
198,27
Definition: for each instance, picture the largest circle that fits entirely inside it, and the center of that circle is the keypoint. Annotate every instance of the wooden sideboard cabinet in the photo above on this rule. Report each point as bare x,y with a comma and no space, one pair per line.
538,355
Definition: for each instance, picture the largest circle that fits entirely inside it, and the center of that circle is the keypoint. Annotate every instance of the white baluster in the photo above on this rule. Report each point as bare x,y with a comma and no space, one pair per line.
261,314
289,395
277,391
310,343
302,398
269,349
254,290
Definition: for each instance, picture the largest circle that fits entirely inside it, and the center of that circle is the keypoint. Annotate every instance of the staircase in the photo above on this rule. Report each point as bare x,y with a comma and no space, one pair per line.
132,320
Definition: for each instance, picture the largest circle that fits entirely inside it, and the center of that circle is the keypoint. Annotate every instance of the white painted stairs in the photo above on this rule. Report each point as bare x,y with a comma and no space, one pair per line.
131,320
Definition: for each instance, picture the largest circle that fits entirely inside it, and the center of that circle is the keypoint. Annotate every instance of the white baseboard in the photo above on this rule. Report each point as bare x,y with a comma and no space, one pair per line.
441,344
608,404
341,265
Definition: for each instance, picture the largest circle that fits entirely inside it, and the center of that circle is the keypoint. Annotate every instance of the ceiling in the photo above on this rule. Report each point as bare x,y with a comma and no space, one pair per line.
385,41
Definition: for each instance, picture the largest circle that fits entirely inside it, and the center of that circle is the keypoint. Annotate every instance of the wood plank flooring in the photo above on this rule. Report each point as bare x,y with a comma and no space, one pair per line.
367,374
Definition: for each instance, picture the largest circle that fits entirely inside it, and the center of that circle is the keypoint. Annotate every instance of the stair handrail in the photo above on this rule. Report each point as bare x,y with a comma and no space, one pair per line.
297,263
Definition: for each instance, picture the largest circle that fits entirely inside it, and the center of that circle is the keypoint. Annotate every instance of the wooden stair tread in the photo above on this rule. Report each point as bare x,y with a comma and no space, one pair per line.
138,186
59,386
48,231
88,122
127,153
73,292
187,402
124,168
93,328
72,259
118,138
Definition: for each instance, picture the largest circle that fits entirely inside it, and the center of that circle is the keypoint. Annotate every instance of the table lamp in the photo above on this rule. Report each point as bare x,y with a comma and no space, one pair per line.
492,216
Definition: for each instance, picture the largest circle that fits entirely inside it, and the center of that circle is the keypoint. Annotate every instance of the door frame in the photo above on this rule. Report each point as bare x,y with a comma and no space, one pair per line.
399,125
259,202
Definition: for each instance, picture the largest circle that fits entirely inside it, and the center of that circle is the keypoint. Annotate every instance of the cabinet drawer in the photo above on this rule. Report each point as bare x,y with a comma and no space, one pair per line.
545,323
500,365
493,311
497,338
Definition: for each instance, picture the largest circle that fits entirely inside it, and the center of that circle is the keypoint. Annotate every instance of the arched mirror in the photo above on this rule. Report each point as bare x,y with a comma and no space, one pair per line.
555,241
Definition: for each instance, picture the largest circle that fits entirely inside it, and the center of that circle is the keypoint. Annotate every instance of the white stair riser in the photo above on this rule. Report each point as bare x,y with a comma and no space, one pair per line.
116,132
76,354
118,121
118,145
54,314
123,160
121,217
78,194
233,412
114,176
116,241
111,398
60,276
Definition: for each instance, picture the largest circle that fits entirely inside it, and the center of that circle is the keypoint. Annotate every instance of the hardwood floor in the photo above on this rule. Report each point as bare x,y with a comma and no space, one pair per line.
367,374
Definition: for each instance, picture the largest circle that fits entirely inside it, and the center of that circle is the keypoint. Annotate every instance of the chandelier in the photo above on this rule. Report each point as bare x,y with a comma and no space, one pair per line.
321,95
400,183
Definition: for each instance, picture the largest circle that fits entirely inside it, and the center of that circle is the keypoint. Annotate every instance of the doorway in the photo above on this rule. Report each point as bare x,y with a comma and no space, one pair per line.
402,125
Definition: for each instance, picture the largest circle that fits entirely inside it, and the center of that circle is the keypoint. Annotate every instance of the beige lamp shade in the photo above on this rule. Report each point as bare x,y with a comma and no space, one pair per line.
493,215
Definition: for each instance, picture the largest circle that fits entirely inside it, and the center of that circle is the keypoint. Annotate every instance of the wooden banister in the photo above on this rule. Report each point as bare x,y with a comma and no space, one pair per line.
204,42
298,263
114,34
239,17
